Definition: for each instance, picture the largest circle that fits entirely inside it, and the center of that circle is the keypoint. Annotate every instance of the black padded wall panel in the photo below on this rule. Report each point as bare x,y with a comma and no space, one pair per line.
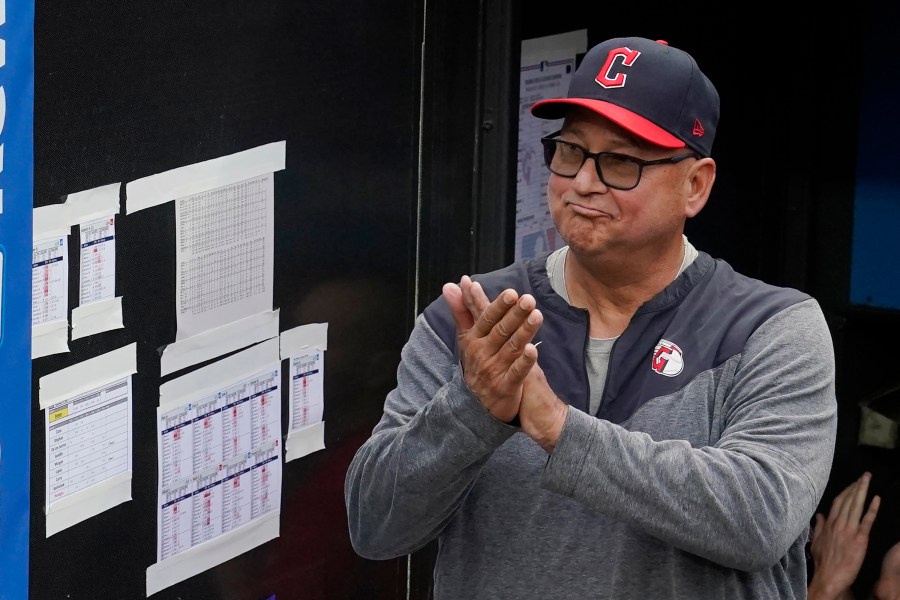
128,89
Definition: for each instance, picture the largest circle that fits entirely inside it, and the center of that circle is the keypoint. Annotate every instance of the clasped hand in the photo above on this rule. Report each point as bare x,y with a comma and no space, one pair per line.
499,360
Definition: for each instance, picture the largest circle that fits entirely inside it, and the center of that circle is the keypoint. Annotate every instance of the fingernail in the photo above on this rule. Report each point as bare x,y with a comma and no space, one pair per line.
507,299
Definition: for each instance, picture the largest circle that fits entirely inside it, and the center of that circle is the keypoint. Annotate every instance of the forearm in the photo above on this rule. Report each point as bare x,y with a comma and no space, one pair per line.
741,510
406,481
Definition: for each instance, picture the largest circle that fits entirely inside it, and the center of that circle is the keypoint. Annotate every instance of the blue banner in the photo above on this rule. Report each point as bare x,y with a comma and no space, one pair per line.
16,188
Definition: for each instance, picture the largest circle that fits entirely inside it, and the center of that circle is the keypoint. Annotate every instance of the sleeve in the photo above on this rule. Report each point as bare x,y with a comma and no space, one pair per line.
745,500
406,481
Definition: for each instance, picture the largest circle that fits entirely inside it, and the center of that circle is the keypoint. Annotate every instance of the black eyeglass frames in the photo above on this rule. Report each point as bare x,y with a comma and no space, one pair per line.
618,171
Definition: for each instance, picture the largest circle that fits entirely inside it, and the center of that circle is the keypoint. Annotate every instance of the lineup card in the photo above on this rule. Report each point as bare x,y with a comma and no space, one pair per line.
307,393
219,462
88,439
49,280
98,260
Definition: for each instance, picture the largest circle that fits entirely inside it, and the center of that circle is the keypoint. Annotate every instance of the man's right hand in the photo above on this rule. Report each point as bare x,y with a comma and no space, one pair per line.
496,353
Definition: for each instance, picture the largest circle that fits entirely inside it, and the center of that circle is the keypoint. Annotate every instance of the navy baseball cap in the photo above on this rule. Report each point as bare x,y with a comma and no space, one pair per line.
653,90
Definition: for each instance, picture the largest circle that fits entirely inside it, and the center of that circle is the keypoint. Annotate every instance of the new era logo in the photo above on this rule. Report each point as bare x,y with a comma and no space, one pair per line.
698,128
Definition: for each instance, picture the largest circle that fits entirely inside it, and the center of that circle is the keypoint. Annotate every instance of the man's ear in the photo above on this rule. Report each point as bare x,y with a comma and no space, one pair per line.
700,178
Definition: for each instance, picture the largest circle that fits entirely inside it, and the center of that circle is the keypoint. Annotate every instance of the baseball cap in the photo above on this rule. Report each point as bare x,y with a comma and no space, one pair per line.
653,90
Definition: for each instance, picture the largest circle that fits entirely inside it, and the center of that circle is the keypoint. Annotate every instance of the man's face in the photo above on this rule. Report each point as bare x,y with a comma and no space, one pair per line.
595,219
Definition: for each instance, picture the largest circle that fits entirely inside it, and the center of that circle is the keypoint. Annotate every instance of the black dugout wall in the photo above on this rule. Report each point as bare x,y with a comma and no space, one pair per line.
128,89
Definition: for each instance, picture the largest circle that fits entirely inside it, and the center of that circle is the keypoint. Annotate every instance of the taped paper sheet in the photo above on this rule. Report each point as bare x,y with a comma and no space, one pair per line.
224,217
219,441
546,68
203,176
224,244
98,260
221,340
50,280
305,347
554,47
49,295
88,432
94,211
99,309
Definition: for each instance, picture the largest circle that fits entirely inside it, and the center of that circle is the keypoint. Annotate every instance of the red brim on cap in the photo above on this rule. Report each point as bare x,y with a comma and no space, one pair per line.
636,124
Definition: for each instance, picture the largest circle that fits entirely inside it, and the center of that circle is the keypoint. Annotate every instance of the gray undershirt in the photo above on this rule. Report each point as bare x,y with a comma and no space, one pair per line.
598,349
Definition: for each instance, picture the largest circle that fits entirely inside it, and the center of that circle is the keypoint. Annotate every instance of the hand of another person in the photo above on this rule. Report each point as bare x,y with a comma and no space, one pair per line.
888,585
839,542
496,353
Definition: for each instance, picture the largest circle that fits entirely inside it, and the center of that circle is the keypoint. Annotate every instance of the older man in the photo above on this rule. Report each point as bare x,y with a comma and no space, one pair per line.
626,417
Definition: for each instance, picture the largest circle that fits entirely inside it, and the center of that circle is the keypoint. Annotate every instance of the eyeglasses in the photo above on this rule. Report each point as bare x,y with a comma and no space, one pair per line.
618,171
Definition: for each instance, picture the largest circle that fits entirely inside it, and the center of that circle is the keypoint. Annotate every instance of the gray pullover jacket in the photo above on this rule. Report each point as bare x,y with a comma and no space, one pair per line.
697,478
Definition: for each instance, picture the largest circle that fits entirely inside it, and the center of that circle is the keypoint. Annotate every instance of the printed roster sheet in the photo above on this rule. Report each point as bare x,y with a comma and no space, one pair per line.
224,245
304,347
97,279
49,280
224,241
219,462
88,428
89,439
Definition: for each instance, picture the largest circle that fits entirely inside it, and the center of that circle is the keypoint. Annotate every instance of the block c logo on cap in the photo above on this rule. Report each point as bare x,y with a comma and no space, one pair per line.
605,77
667,359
